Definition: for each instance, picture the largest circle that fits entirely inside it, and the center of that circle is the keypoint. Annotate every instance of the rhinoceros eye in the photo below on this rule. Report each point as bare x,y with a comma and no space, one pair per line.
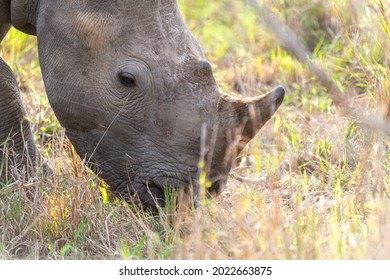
126,79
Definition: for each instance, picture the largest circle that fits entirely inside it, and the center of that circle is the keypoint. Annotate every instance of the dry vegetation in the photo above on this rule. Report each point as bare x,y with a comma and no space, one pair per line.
314,184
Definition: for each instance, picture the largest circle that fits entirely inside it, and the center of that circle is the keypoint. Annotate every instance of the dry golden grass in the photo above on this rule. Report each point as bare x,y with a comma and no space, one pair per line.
314,184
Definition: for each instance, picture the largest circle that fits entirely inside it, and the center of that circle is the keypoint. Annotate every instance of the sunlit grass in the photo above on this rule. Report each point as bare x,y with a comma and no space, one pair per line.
314,184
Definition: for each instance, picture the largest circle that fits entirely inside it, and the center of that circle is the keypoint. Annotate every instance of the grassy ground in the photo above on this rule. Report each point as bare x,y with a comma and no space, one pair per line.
314,184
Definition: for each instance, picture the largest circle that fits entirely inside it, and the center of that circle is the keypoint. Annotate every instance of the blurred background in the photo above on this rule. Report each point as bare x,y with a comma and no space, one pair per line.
314,184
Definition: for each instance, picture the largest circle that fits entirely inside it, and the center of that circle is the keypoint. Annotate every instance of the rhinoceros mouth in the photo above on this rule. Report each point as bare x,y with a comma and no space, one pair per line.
163,182
153,193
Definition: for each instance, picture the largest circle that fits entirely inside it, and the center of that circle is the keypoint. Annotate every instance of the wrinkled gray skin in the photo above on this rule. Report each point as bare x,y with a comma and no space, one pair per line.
133,89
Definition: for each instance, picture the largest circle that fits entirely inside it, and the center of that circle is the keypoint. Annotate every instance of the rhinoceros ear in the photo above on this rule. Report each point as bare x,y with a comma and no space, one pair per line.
247,115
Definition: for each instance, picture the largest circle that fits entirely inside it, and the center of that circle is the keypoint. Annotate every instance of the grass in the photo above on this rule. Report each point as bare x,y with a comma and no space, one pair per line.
314,183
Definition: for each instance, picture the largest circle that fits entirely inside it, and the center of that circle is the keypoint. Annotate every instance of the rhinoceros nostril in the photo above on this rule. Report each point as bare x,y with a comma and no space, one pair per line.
217,187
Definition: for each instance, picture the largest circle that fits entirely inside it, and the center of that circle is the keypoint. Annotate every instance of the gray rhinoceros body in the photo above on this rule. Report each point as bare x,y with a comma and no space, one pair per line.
133,89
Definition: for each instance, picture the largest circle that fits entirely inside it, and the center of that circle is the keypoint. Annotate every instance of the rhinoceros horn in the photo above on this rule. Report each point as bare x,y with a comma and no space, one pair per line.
249,114
239,121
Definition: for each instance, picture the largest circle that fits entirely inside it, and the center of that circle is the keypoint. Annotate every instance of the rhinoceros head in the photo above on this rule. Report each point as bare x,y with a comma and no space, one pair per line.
137,97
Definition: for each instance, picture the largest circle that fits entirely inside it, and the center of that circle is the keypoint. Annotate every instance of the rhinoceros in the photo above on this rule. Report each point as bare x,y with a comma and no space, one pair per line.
132,87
